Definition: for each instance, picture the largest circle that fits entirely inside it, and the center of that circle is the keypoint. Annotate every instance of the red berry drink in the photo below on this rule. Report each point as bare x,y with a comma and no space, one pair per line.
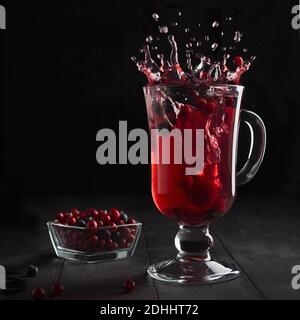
203,197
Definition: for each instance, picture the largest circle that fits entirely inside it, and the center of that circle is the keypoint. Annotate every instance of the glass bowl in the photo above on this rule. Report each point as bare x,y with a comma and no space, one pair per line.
94,245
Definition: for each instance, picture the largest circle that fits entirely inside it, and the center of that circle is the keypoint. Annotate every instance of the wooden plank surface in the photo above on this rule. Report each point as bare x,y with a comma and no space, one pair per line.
260,235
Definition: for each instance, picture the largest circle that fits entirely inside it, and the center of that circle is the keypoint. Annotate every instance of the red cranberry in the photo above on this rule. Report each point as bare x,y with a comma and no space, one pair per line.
114,214
122,243
121,222
102,212
94,240
100,223
92,224
101,244
238,61
128,285
61,217
38,293
125,232
76,212
130,238
106,234
94,213
131,221
71,221
109,243
113,227
57,289
84,215
106,219
111,246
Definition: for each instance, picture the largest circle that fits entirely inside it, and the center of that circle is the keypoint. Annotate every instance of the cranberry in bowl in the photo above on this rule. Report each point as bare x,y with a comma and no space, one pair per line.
93,235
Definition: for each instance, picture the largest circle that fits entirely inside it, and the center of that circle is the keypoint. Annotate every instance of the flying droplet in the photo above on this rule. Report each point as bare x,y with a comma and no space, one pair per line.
215,24
155,16
163,29
189,45
141,50
198,44
179,13
154,48
187,30
224,49
193,39
206,38
214,46
160,56
231,48
228,18
133,58
158,38
252,58
237,36
245,50
149,39
222,34
174,24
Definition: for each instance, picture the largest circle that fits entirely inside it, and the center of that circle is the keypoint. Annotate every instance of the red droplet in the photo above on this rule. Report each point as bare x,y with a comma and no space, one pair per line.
238,61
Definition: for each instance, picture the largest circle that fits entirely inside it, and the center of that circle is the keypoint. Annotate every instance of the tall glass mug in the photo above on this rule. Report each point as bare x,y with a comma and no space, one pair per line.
194,143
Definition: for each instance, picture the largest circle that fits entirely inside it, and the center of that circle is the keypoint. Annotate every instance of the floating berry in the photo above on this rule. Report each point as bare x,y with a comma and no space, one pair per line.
92,224
32,271
128,286
238,61
114,214
38,293
57,289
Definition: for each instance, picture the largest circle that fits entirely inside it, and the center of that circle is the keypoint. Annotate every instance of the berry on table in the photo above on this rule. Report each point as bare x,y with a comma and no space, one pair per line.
38,293
32,271
128,286
57,289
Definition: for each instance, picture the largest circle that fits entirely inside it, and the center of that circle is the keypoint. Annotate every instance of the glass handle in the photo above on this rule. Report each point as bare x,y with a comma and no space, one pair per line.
257,147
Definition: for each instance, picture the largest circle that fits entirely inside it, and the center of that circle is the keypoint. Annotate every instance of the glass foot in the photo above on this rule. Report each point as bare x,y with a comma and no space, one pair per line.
192,272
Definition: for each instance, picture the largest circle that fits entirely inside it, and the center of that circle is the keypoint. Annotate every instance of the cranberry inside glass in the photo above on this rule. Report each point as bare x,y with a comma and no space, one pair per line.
196,200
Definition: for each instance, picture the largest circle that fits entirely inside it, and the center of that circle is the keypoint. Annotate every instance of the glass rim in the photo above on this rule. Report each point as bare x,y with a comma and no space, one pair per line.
157,85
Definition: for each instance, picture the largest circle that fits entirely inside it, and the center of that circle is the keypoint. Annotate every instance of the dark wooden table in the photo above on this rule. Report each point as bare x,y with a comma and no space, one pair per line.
261,235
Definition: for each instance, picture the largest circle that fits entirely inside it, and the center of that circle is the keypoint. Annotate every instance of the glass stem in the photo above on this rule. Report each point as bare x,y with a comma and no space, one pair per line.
193,243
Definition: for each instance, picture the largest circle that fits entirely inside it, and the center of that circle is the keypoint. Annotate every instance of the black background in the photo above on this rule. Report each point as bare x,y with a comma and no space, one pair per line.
67,73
